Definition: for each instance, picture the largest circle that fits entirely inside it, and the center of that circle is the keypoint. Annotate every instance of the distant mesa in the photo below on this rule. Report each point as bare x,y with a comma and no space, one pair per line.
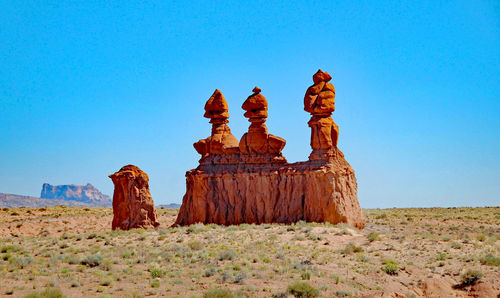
170,206
80,193
59,195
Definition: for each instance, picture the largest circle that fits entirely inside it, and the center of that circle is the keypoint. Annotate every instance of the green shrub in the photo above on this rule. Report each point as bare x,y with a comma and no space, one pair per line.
155,283
373,236
490,260
336,278
342,294
157,273
9,248
92,260
195,244
218,293
391,268
47,293
239,278
306,275
343,232
302,289
22,262
471,277
226,255
481,237
441,257
351,248
209,272
106,282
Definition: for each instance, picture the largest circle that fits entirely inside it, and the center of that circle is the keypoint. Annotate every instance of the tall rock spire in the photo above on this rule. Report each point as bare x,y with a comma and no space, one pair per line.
320,102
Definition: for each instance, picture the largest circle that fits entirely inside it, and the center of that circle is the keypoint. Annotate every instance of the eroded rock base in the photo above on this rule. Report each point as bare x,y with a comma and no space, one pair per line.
228,192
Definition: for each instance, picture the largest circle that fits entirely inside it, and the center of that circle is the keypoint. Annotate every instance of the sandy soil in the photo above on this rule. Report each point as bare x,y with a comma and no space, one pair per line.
400,253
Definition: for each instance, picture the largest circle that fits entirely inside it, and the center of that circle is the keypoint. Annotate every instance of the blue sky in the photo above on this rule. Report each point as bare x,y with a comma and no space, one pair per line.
89,86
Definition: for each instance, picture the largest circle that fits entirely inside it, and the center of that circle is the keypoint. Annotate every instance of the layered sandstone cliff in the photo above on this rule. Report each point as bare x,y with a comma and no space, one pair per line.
254,184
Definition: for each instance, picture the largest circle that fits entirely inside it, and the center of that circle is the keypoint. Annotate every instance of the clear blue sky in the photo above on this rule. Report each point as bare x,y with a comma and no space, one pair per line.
89,86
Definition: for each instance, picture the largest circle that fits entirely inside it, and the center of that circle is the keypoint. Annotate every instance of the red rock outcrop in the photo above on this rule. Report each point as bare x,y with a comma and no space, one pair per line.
254,184
257,141
133,206
222,140
320,102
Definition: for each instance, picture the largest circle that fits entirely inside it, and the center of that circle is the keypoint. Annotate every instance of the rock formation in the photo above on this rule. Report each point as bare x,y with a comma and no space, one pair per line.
86,194
320,102
222,140
257,141
16,201
133,206
253,183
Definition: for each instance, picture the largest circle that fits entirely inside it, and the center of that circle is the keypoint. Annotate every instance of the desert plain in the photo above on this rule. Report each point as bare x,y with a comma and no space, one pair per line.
428,252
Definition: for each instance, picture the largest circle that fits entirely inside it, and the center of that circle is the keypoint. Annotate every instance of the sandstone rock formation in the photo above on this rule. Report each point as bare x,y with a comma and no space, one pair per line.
87,194
320,102
222,140
133,206
254,184
257,141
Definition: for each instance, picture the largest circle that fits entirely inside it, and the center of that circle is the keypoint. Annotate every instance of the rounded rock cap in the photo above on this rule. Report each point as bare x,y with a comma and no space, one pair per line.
256,101
321,76
256,90
216,106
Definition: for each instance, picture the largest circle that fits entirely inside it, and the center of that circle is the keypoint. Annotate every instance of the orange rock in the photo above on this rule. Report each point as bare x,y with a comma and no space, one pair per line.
255,102
276,144
321,76
257,185
433,287
316,88
216,106
309,101
329,87
221,140
257,140
319,100
484,290
275,193
256,114
133,206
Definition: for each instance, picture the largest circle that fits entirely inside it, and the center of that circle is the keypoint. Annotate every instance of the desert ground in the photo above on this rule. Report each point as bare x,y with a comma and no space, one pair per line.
71,251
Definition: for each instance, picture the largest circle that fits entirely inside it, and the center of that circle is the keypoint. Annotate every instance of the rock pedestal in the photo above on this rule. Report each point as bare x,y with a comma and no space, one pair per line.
257,141
253,183
222,140
133,206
